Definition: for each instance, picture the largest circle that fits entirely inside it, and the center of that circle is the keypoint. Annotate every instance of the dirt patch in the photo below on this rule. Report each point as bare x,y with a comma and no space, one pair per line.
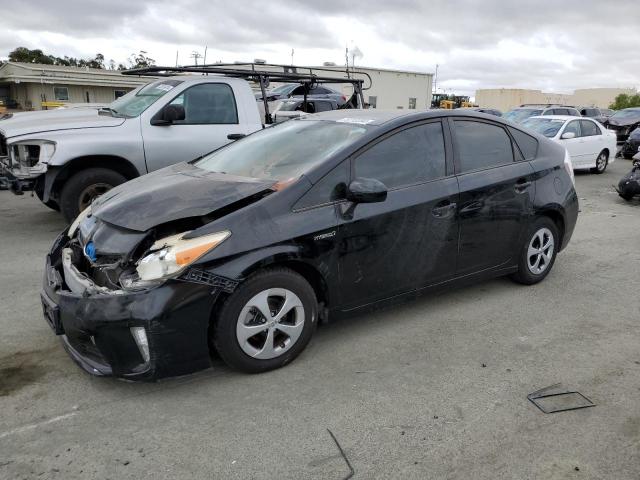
21,369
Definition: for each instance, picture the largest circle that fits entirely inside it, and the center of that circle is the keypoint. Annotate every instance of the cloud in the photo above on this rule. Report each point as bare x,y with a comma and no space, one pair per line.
525,44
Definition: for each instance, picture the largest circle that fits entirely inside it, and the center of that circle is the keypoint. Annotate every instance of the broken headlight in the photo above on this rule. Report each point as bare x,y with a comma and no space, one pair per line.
30,157
171,255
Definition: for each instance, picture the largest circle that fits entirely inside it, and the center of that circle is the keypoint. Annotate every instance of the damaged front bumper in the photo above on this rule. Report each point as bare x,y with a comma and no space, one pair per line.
139,335
16,184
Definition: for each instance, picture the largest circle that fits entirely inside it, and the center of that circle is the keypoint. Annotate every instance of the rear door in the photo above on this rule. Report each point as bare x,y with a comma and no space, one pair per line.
496,195
593,140
410,240
211,114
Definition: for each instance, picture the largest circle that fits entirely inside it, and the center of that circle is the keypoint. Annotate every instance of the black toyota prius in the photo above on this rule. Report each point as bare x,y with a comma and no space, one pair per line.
245,250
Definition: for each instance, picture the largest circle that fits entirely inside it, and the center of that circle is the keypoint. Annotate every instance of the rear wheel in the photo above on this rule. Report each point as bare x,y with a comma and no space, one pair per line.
84,187
601,163
266,322
538,252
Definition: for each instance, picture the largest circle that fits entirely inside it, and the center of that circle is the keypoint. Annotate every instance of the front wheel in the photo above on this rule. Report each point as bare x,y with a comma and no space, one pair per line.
266,322
84,187
538,252
601,163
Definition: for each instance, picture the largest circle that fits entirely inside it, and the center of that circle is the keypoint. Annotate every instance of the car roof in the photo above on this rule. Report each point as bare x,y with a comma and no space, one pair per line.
374,116
561,117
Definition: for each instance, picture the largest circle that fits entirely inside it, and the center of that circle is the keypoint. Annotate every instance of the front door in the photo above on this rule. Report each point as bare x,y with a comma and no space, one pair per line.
410,240
496,195
577,147
210,115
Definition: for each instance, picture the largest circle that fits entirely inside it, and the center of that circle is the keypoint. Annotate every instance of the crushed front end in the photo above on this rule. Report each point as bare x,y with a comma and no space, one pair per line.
113,323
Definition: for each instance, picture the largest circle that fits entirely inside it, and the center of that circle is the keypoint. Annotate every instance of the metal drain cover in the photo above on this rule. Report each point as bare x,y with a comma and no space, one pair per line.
552,399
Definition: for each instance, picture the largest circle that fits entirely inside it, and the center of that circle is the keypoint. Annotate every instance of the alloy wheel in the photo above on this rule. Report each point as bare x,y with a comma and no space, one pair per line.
601,162
92,192
540,251
270,323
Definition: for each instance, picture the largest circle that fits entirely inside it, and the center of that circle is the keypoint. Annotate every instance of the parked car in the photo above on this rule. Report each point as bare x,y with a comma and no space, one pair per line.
623,122
245,250
71,156
631,145
295,89
488,111
520,114
589,144
596,113
294,107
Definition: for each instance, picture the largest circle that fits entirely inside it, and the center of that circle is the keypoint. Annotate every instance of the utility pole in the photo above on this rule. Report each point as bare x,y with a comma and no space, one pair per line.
176,58
292,52
435,80
195,55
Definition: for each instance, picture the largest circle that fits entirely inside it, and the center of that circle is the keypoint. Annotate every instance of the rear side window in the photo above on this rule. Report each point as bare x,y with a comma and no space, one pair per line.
561,111
208,103
323,106
413,155
589,129
526,143
482,145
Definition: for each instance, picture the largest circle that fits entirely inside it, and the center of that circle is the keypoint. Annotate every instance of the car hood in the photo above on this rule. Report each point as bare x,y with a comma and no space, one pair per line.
29,123
173,193
622,122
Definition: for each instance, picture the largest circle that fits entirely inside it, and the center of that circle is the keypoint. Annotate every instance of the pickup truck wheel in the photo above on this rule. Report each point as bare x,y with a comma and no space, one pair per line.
84,187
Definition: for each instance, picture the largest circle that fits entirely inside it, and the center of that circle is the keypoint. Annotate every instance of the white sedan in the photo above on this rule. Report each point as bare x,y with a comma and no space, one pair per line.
588,142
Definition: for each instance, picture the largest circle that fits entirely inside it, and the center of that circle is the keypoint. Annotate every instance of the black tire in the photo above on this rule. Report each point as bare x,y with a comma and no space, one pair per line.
84,187
224,336
601,166
628,156
626,196
525,275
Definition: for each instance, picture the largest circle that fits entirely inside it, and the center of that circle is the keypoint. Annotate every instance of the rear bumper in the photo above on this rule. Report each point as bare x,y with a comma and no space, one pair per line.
96,329
571,209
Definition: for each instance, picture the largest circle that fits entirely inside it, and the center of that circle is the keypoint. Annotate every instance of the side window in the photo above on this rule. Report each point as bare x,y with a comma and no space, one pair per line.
330,188
482,145
410,156
549,112
373,101
589,129
573,126
527,144
561,111
208,103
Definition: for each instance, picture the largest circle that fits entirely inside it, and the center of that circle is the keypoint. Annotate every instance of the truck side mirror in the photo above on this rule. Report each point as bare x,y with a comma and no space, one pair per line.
169,115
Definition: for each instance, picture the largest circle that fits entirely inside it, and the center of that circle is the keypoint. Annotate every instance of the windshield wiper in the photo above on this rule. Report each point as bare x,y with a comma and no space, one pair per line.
111,111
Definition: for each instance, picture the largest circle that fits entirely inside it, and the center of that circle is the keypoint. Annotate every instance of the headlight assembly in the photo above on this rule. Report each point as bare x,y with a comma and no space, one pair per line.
171,255
31,156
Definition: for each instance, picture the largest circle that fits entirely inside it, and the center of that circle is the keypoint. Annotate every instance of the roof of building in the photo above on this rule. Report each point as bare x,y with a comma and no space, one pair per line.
17,72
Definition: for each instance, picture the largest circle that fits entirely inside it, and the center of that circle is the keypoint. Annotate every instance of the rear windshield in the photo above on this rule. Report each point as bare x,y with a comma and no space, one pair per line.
520,114
548,127
133,105
283,152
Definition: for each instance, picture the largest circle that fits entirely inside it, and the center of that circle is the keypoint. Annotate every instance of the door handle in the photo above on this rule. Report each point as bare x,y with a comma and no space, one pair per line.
443,209
521,185
236,136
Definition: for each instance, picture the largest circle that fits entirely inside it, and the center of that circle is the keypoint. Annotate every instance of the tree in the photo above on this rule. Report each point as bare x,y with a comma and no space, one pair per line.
140,60
625,101
23,54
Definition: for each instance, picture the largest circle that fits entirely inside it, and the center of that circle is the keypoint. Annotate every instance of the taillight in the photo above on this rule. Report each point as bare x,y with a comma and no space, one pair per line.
568,166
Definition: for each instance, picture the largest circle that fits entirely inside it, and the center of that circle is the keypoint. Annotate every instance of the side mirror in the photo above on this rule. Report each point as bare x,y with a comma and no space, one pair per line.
169,115
568,135
366,190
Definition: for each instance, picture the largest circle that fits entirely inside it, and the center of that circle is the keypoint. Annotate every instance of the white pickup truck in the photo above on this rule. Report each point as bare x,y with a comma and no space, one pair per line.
71,156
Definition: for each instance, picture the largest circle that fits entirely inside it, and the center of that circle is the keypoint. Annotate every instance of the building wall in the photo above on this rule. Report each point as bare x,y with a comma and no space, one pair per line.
34,94
508,98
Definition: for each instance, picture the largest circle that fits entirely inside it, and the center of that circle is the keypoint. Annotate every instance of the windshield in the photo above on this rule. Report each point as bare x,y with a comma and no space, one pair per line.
548,127
282,152
133,105
283,89
627,114
520,114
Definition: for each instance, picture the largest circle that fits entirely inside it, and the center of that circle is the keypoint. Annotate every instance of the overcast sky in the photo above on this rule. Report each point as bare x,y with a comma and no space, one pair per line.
542,44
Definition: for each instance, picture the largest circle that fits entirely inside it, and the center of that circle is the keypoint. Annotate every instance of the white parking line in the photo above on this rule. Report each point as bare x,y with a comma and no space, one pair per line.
31,426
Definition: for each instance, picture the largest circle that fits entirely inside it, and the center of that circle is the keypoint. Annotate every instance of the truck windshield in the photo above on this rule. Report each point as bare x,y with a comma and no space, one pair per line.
133,105
283,152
